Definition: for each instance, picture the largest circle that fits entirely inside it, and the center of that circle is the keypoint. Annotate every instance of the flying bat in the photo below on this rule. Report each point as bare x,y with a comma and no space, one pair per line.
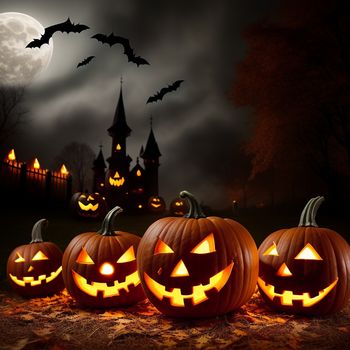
159,95
85,61
112,39
67,27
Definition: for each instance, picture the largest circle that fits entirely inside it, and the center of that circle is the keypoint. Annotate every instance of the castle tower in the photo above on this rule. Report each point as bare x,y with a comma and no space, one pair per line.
98,168
119,161
137,188
150,157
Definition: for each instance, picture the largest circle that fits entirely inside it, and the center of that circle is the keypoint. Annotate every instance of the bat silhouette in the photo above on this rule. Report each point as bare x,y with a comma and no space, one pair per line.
67,27
112,39
85,61
160,94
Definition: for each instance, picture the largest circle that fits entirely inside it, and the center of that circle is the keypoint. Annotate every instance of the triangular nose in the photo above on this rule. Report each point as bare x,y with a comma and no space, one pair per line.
283,271
180,270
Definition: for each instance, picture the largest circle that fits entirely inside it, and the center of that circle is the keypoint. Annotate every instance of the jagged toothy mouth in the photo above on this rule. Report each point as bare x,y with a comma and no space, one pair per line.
35,282
107,291
287,297
88,207
198,294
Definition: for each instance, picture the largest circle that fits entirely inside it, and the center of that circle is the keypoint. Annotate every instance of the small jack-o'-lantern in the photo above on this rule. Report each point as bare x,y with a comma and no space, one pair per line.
34,269
305,269
197,266
99,268
156,204
89,205
178,207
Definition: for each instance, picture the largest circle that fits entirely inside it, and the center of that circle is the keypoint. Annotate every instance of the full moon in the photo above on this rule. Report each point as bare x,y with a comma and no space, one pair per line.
20,65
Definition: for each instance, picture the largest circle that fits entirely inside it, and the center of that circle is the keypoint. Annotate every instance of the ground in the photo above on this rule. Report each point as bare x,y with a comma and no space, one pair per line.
58,323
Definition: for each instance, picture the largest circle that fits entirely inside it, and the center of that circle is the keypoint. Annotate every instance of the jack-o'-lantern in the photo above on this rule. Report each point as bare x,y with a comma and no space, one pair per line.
178,207
99,268
34,269
305,269
156,204
114,179
89,205
197,266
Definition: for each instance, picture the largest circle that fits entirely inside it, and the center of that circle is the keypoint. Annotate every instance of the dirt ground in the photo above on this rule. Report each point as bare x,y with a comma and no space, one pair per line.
58,323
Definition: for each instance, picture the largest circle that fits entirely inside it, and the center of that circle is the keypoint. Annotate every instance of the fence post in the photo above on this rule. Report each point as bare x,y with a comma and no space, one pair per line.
69,187
23,178
48,185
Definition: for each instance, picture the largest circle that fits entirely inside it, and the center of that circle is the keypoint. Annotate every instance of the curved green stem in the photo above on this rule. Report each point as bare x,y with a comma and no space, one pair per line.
37,230
195,209
106,229
308,215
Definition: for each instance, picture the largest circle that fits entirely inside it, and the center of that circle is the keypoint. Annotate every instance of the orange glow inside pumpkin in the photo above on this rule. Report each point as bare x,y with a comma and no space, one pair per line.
308,253
116,180
106,269
272,250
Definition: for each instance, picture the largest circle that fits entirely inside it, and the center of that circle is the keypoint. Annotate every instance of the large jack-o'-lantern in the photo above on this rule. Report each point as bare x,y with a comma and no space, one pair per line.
99,268
305,269
89,205
197,266
34,269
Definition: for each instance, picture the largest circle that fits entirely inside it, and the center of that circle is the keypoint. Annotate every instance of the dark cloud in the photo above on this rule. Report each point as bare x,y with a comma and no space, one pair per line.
197,129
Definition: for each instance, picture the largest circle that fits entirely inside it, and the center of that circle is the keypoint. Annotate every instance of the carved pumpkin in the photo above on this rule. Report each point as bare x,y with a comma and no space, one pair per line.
305,269
99,268
89,205
114,179
178,207
34,269
197,266
156,204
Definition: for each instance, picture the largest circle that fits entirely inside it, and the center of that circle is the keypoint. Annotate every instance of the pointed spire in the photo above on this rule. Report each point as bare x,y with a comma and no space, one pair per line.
152,150
99,162
119,125
141,151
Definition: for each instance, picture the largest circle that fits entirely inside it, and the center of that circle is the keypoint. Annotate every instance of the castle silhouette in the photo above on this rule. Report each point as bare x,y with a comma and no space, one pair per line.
130,189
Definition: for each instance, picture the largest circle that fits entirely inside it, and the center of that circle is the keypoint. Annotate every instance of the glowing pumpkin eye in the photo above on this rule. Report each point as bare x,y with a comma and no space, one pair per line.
84,258
90,198
162,248
83,196
128,256
19,258
272,250
40,256
308,253
207,245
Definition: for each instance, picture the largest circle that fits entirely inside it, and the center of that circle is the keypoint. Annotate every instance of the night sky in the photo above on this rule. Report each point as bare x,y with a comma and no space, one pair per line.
197,128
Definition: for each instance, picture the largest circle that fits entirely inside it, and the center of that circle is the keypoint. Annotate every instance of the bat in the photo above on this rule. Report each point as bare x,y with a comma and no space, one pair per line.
85,61
112,39
67,27
160,94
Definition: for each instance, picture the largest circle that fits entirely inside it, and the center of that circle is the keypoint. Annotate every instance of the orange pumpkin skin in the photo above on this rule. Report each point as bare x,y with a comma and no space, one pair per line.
104,247
23,272
305,272
235,253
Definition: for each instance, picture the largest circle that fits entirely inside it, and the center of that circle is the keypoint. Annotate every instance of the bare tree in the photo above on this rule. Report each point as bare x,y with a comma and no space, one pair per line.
11,110
78,158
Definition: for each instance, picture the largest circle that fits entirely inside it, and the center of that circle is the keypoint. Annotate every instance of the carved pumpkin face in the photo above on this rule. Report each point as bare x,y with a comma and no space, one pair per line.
303,269
116,180
178,207
173,253
35,269
156,204
100,269
89,205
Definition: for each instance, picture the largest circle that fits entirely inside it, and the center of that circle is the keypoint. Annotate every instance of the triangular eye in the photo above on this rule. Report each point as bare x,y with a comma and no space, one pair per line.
308,253
128,256
162,248
272,250
84,258
207,245
19,258
40,256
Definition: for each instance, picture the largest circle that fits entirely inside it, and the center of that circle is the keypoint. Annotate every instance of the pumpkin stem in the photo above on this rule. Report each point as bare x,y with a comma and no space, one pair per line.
308,215
106,229
37,230
195,209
